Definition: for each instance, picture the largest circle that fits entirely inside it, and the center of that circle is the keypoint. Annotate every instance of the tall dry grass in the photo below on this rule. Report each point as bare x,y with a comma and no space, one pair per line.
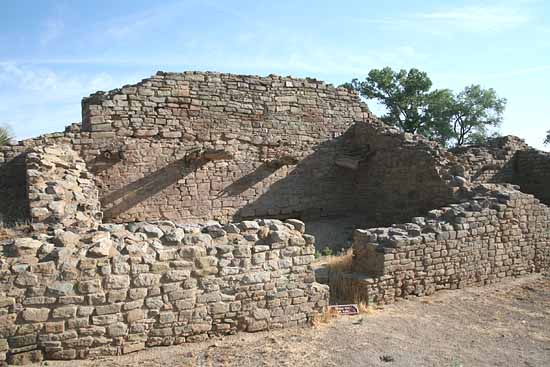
342,263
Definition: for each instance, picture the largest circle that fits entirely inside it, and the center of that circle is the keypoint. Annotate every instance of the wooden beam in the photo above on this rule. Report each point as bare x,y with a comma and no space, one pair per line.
347,162
216,155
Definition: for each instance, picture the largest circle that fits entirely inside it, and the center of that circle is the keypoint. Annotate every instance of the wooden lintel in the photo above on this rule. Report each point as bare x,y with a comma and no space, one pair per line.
347,162
216,155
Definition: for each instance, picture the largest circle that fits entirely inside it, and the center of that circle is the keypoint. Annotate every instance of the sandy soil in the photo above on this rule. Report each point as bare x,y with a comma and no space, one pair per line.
501,325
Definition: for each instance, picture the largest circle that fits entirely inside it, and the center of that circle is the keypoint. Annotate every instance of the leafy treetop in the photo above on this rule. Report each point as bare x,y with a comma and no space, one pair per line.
439,114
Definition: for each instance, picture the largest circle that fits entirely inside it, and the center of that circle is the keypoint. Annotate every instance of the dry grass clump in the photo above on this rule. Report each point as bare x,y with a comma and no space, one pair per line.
342,263
324,317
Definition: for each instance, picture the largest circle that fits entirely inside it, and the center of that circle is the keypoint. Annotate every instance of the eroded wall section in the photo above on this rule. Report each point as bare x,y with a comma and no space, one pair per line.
532,173
399,175
61,191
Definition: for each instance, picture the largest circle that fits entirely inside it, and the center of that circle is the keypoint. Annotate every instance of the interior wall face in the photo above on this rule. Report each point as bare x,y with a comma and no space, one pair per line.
532,173
399,177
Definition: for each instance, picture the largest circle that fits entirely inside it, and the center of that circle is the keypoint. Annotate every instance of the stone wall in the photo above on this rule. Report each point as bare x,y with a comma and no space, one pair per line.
282,135
61,191
492,162
399,175
126,287
13,173
499,233
507,160
532,173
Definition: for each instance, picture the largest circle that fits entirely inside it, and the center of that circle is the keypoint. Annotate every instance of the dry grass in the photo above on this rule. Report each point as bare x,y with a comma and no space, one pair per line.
342,264
325,317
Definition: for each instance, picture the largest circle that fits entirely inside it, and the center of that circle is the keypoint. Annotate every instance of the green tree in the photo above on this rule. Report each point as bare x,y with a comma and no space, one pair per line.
5,135
475,111
438,114
547,140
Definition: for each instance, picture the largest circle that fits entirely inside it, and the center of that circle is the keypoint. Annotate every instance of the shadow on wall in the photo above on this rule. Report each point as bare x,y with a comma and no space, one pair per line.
247,181
127,197
315,187
14,204
532,173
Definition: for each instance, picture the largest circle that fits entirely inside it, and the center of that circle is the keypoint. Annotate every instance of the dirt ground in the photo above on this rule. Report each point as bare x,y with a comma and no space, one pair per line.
500,325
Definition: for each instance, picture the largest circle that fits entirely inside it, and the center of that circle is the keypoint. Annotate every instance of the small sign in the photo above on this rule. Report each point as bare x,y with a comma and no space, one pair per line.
348,310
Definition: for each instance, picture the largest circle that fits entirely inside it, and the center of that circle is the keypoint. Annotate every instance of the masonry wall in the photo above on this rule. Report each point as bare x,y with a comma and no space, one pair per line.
532,173
262,122
283,134
500,233
15,206
61,191
399,175
492,162
126,287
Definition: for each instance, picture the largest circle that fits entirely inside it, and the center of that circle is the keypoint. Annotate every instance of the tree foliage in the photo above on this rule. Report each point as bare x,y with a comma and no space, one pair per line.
5,135
476,110
438,114
547,140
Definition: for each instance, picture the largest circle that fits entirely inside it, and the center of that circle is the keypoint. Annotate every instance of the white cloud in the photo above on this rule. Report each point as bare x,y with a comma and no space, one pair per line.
471,18
477,18
35,99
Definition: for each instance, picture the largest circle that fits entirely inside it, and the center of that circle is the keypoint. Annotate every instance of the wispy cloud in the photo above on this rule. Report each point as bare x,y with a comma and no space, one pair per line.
37,99
477,18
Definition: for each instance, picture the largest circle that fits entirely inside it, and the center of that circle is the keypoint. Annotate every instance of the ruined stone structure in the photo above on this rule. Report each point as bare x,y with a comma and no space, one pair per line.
85,289
145,226
500,232
282,135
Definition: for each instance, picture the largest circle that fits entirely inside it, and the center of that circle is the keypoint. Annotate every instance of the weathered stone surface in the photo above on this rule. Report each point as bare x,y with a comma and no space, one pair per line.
103,248
26,246
25,358
36,314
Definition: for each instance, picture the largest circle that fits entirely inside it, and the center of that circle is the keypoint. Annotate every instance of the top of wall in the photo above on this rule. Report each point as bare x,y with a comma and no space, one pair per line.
156,106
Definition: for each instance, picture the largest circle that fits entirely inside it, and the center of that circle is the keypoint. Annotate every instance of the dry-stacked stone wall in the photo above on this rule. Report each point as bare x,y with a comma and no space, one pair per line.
499,233
61,191
400,175
492,162
145,143
123,288
13,172
280,135
532,173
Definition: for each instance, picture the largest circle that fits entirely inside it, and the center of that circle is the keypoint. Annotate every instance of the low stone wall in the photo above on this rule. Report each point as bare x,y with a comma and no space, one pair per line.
61,191
126,287
499,233
532,173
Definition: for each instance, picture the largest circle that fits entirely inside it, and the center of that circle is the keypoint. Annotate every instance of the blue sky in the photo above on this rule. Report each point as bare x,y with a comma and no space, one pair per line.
55,52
